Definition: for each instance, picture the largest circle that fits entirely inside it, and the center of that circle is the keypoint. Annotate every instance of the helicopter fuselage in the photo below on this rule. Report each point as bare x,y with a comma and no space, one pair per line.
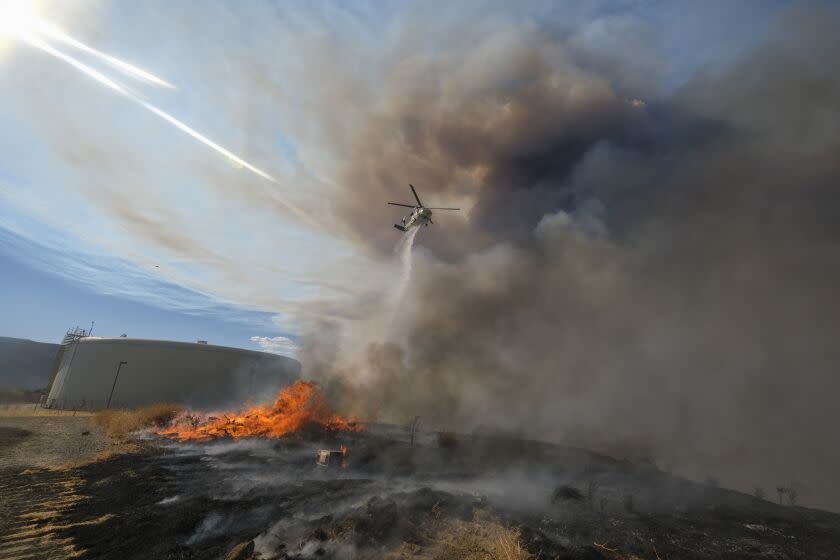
420,215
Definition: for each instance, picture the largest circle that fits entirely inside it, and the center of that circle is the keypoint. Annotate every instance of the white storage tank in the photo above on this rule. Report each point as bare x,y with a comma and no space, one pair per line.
98,372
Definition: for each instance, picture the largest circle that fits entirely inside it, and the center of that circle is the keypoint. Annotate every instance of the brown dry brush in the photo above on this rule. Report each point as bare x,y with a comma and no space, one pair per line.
440,537
485,537
121,422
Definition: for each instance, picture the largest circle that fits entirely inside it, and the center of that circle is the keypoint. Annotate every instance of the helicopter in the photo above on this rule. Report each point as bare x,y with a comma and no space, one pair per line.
420,215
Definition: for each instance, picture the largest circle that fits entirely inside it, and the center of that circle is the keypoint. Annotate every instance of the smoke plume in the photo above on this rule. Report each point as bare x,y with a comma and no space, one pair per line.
650,274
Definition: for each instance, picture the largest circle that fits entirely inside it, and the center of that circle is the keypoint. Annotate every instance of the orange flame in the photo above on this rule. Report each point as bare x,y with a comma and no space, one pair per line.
295,406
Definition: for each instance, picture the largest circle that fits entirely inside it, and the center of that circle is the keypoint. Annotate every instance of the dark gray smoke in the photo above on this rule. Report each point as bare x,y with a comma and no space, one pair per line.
646,274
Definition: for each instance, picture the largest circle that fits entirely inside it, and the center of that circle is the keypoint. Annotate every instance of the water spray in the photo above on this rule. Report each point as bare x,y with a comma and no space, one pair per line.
403,250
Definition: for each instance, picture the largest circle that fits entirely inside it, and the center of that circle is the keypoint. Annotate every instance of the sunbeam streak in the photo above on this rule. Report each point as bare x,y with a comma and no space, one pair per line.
111,84
50,31
78,65
203,139
104,80
19,21
183,127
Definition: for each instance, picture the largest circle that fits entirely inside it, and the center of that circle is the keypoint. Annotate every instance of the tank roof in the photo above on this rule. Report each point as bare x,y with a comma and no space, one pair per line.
199,346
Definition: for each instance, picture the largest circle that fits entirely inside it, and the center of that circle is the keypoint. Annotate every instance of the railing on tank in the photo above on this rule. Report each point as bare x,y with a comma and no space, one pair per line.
74,334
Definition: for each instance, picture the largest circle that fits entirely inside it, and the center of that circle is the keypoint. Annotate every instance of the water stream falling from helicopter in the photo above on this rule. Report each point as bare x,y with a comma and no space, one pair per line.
403,250
381,322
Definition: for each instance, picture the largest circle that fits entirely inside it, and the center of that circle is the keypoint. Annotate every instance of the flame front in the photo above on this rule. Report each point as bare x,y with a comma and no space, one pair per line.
297,405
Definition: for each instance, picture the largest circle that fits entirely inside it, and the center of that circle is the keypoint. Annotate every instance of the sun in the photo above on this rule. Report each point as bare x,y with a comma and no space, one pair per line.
18,19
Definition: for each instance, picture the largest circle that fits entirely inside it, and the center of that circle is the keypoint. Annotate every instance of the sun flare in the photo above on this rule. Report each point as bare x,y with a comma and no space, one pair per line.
20,22
18,19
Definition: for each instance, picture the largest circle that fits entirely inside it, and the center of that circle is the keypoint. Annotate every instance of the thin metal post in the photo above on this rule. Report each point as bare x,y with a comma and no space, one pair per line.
414,424
116,376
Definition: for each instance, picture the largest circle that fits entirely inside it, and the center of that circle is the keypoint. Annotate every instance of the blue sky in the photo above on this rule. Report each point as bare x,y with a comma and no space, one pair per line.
108,213
112,215
61,304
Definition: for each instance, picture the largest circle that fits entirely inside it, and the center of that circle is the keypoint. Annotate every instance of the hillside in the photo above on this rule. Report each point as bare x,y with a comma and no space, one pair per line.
25,364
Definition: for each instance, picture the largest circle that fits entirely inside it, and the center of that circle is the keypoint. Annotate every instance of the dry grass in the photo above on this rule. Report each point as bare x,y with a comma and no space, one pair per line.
19,410
118,423
509,546
615,554
483,538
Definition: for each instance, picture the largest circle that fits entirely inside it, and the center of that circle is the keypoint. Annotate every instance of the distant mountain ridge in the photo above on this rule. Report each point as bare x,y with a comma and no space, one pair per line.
25,364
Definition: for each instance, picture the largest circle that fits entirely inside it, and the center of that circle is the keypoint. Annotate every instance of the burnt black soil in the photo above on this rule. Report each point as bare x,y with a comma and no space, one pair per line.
199,500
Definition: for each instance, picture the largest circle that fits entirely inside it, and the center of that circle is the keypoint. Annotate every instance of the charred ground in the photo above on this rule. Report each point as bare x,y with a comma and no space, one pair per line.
447,496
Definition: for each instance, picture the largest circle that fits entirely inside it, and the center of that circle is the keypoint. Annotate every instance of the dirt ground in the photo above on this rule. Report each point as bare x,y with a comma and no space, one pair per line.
48,441
470,499
40,454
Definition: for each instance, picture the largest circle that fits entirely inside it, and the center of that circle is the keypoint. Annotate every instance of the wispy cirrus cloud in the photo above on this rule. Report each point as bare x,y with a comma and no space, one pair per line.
122,205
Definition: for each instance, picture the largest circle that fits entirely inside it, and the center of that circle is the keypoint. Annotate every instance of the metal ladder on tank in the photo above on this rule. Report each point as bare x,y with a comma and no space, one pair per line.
73,336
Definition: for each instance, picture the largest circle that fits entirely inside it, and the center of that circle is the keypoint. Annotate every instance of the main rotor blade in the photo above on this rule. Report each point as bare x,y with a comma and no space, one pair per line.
432,208
398,204
415,195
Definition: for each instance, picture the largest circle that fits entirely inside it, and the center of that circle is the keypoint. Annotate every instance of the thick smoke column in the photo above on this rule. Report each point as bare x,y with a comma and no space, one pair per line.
650,274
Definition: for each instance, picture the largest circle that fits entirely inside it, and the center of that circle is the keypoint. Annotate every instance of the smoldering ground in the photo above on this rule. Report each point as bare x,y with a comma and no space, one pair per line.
432,495
641,272
270,491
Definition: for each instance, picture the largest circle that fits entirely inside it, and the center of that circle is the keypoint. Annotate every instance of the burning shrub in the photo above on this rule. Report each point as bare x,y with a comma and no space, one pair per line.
121,422
296,406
